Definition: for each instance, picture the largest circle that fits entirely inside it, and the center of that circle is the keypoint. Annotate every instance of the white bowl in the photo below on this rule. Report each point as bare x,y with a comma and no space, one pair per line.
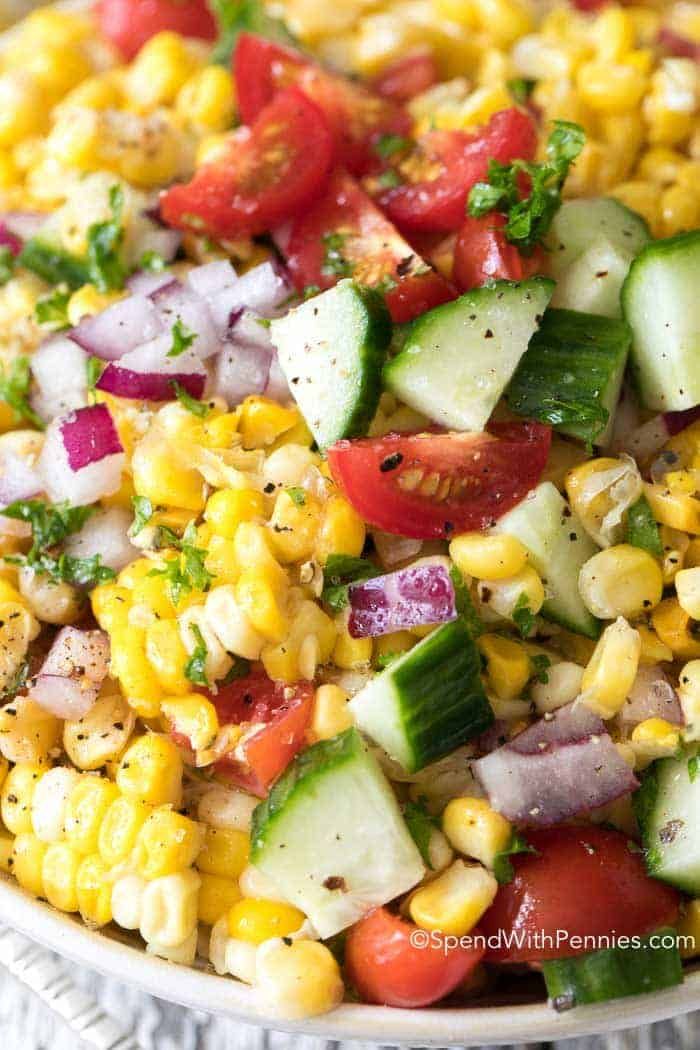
121,956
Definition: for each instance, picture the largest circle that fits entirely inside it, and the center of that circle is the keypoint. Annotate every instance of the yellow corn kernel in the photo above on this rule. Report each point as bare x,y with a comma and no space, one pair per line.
221,560
130,665
4,767
390,645
661,164
524,590
120,828
680,210
331,715
259,601
689,696
98,92
50,25
476,830
675,546
17,794
191,716
167,655
8,593
488,557
207,99
653,650
256,920
86,808
692,555
508,666
210,148
110,606
299,980
613,34
610,673
609,88
9,172
689,930
153,592
167,843
87,301
28,733
688,591
252,548
93,890
503,20
28,853
224,852
23,110
227,508
162,479
621,581
454,902
6,861
678,510
59,873
293,525
263,421
342,530
162,66
217,896
151,771
654,738
640,196
219,430
312,635
350,653
673,626
680,481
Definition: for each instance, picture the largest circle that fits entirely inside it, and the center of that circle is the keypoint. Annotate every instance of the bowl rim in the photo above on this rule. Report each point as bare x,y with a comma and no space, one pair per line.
226,997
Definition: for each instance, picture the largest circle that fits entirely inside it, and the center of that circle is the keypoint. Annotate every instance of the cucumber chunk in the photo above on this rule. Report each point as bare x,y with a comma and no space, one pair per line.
558,546
331,350
331,835
458,358
427,702
54,265
667,807
571,374
593,281
661,303
614,973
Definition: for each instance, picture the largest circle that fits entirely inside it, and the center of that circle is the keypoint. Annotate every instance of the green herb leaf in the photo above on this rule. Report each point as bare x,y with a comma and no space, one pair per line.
388,145
51,525
15,383
186,572
153,262
197,408
309,291
521,88
297,495
195,668
540,665
239,669
238,16
51,311
143,512
420,825
340,571
104,245
693,767
464,604
16,684
642,530
7,264
335,263
386,660
502,867
182,339
523,616
81,572
94,368
389,179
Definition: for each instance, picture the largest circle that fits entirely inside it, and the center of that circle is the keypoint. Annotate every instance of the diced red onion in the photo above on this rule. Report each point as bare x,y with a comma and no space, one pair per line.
250,329
120,328
148,374
145,282
392,550
177,303
652,696
555,770
82,458
72,673
495,736
161,240
23,224
212,277
277,388
18,478
240,371
412,597
264,289
677,421
59,369
105,533
9,240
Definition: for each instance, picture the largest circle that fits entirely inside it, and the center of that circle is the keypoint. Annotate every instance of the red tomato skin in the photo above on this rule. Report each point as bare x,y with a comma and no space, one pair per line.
483,254
355,114
386,968
408,77
128,24
242,194
679,46
373,245
438,205
254,699
583,880
498,475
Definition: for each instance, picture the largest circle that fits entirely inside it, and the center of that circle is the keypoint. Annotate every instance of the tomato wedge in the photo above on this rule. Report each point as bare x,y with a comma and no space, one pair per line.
268,173
408,77
483,254
386,966
283,711
582,881
445,166
676,45
357,116
343,234
429,486
130,23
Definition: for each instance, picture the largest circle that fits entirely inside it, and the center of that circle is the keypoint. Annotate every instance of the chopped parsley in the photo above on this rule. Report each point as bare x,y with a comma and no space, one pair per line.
238,16
464,604
195,668
153,262
186,571
182,339
386,660
641,528
197,408
540,665
143,512
51,525
389,180
420,825
93,368
15,382
340,571
388,145
335,264
16,684
529,218
51,311
521,88
502,867
309,291
693,767
297,495
239,669
523,616
104,244
7,264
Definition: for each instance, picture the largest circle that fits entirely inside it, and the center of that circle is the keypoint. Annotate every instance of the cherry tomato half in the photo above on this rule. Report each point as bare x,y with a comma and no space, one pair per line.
483,254
130,23
408,77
